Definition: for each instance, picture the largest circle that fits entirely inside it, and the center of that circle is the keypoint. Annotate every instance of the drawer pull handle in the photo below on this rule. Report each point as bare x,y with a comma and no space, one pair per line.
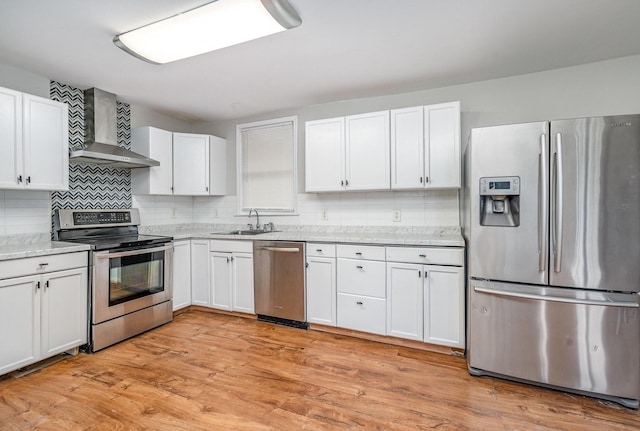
319,250
359,302
422,255
359,267
358,253
419,274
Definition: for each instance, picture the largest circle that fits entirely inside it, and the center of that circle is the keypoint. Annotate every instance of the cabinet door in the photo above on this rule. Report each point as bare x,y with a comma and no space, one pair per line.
200,291
405,301
243,283
321,290
64,311
19,322
407,148
190,164
324,155
181,274
444,306
46,143
10,138
221,281
158,145
442,145
368,148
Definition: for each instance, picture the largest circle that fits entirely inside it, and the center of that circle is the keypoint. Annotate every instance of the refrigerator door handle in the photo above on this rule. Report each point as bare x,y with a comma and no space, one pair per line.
507,293
558,205
543,199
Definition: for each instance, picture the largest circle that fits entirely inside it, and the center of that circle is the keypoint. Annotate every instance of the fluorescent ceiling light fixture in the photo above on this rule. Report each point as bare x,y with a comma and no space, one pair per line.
212,26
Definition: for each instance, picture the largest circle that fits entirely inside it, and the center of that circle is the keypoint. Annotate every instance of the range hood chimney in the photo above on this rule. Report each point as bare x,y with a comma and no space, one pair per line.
101,135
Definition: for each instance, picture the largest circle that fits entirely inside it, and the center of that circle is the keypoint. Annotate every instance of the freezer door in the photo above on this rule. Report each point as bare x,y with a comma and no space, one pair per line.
595,203
511,253
576,339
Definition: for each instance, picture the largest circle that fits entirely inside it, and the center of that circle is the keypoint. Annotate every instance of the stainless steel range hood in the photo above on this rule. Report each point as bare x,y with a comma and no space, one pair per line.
101,135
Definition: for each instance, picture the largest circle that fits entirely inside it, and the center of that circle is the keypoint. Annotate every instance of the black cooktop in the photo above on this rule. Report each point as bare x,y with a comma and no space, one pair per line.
121,241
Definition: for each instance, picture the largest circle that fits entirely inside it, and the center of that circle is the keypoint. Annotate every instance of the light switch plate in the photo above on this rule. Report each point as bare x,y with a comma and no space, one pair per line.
397,215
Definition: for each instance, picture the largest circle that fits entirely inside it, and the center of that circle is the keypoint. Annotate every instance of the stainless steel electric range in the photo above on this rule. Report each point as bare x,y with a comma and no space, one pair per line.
131,274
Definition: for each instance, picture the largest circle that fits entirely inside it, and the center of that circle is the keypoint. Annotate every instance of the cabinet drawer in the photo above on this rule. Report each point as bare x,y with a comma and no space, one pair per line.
321,250
43,264
427,255
362,313
231,246
369,252
362,277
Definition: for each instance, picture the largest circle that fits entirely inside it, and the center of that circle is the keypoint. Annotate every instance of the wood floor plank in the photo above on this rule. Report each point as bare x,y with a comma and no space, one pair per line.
207,371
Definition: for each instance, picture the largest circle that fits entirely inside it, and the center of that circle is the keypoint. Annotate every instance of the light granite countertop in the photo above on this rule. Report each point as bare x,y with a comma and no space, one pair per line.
448,236
21,246
13,250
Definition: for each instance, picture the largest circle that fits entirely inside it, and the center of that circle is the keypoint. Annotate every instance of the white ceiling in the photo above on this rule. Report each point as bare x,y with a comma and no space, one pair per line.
344,49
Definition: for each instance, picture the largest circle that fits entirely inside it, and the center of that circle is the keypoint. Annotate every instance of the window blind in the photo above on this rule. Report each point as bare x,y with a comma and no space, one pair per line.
268,174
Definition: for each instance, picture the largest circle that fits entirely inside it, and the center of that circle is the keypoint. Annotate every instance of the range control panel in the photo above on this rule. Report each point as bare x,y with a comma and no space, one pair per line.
81,218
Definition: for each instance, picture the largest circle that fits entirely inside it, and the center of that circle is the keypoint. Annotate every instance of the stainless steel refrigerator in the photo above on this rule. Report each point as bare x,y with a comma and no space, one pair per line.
554,255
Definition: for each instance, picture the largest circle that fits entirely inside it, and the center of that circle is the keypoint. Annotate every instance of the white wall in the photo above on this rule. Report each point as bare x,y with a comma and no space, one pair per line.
608,87
603,88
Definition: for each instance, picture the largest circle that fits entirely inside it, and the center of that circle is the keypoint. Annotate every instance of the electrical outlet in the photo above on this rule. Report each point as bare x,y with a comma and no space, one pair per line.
397,215
324,216
173,213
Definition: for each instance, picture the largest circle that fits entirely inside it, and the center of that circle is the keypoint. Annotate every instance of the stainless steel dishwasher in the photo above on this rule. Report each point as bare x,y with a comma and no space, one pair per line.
278,271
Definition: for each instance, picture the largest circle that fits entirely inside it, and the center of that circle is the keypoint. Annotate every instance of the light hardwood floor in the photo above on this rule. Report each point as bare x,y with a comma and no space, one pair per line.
208,371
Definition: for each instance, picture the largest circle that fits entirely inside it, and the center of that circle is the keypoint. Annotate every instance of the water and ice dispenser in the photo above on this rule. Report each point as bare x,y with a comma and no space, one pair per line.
500,201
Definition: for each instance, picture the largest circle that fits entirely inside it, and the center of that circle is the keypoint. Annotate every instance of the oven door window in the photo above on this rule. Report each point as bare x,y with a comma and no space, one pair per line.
132,277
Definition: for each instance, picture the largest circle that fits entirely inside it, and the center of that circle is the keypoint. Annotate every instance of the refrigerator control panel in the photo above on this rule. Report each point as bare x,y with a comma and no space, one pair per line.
499,186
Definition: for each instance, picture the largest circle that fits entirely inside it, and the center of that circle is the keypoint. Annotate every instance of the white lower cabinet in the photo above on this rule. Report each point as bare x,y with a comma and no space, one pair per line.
321,284
231,264
361,289
200,290
43,314
181,274
426,302
444,315
405,301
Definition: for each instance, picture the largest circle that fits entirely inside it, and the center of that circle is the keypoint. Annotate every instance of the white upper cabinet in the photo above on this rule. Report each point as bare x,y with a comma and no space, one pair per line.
367,151
325,155
34,142
425,147
190,164
347,153
158,145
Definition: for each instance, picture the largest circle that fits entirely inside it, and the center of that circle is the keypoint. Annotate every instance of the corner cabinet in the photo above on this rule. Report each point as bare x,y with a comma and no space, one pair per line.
347,153
425,147
43,308
34,142
190,164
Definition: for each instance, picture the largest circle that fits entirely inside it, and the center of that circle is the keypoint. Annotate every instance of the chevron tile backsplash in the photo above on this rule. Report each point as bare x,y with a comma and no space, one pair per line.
92,186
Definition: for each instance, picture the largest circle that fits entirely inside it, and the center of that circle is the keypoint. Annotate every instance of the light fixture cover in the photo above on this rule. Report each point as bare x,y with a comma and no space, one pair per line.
212,26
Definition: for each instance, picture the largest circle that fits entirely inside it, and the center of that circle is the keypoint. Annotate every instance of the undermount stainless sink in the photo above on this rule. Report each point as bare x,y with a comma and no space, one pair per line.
240,232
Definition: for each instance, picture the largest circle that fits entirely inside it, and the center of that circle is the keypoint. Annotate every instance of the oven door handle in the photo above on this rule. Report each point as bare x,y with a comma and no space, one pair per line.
108,255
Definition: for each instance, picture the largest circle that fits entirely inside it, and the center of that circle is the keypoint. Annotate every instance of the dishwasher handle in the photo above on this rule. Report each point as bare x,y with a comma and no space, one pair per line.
279,249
